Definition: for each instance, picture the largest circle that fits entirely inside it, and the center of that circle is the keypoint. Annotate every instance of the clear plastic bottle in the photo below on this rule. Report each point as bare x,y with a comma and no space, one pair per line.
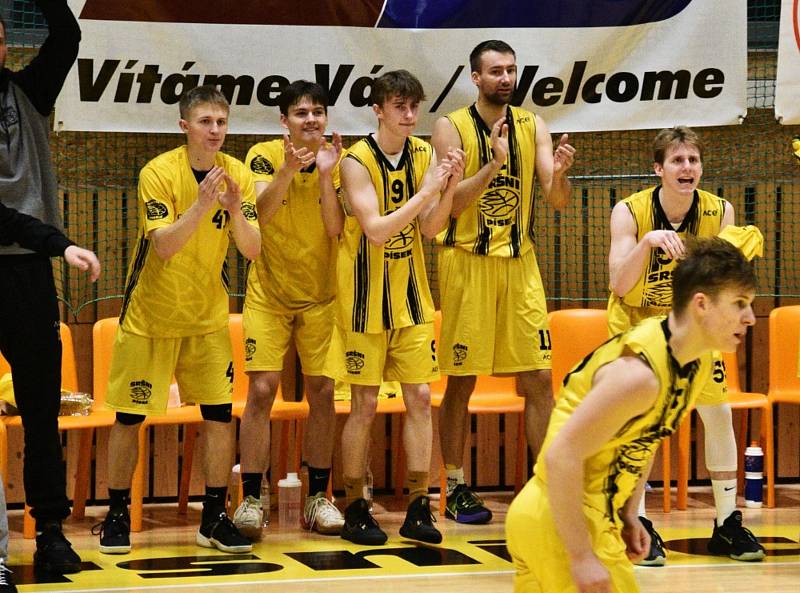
368,488
234,483
289,502
264,496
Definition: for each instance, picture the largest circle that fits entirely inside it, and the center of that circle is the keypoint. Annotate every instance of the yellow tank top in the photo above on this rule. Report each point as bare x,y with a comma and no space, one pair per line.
704,219
385,287
297,263
186,295
500,223
611,474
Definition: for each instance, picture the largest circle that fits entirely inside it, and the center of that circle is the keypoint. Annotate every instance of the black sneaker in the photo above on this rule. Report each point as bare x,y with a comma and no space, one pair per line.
221,533
657,555
114,532
734,540
359,526
464,506
419,522
54,553
6,582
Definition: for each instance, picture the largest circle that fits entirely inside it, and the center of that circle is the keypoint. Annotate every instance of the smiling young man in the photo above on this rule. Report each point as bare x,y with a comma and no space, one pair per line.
290,290
395,192
612,412
494,316
648,230
174,318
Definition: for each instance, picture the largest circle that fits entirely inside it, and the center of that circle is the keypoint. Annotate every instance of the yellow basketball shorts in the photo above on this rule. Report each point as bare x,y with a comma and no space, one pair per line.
538,554
142,369
622,316
407,355
268,333
494,315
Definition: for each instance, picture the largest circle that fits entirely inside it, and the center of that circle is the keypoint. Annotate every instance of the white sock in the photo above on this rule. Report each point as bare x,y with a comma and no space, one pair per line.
642,511
455,476
724,498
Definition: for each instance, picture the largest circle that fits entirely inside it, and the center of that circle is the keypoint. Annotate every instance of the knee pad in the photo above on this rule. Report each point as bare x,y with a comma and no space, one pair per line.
127,419
720,441
216,412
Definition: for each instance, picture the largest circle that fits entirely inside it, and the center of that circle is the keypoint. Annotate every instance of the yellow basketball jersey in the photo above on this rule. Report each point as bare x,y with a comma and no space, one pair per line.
297,263
385,287
500,223
704,219
611,474
187,294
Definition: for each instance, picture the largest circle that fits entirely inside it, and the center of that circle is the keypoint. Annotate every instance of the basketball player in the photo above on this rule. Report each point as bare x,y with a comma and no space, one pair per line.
647,236
394,192
574,526
289,297
174,318
494,317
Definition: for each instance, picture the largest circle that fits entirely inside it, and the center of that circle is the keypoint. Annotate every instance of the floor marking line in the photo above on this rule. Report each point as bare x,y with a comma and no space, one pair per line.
738,564
292,581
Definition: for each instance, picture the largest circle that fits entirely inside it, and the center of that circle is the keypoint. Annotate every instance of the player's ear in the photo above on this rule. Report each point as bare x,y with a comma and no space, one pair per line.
701,301
184,125
475,76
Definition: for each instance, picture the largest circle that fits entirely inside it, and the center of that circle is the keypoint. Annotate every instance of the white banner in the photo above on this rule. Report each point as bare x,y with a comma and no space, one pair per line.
787,84
689,68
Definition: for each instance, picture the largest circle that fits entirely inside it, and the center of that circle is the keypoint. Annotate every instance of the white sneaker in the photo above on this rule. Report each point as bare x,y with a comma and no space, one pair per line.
248,518
321,515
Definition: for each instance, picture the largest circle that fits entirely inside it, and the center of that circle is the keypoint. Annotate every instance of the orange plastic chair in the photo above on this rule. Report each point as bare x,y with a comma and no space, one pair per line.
574,334
85,424
103,340
739,400
492,395
285,412
784,384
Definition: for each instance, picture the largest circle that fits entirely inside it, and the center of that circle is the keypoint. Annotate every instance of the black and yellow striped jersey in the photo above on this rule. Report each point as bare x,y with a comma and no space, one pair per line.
704,219
611,474
385,287
500,223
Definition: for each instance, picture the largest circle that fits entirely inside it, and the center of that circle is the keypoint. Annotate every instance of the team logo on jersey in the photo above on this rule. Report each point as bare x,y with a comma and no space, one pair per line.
141,391
249,211
155,210
501,199
262,166
459,354
354,362
659,294
249,349
399,246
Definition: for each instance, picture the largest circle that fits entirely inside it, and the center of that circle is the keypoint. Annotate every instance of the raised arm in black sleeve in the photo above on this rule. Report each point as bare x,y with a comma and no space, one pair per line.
42,79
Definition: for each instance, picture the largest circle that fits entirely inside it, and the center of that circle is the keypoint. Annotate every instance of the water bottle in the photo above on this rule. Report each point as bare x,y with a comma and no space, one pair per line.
234,483
368,488
289,500
753,476
264,497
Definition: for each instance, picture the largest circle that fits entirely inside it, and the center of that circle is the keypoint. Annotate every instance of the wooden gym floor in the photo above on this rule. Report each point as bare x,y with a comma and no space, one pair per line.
471,559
